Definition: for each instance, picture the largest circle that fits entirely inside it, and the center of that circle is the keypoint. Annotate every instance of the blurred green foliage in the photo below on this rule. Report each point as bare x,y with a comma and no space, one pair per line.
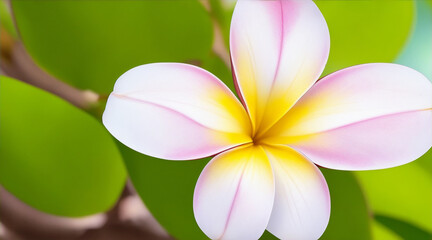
379,231
365,31
349,217
60,160
404,229
167,189
403,192
6,19
89,44
418,51
54,156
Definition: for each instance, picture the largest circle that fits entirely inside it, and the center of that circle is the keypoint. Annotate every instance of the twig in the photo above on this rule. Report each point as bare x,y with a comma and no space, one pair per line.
219,47
17,63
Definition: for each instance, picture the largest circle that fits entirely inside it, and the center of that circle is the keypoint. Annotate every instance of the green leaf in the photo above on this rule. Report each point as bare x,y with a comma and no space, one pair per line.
55,157
89,44
404,229
268,236
404,193
349,217
425,161
167,188
366,31
381,232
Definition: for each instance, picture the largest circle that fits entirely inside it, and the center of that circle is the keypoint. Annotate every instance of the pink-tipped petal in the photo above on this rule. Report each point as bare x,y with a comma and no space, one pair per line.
378,143
278,50
369,116
301,208
234,195
175,111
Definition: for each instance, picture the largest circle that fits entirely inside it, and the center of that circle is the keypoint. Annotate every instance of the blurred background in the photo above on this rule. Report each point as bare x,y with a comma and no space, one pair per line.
62,176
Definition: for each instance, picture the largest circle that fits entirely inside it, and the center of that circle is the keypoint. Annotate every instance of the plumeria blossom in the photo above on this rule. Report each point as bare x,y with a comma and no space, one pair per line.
266,145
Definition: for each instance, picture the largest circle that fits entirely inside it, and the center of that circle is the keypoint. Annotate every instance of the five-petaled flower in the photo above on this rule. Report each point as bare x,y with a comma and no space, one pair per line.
370,116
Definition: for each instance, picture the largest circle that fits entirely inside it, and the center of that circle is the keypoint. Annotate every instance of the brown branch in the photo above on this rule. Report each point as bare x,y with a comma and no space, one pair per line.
219,47
16,63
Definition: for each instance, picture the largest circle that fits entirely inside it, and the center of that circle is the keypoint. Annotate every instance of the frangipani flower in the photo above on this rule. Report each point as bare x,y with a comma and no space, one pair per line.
263,176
